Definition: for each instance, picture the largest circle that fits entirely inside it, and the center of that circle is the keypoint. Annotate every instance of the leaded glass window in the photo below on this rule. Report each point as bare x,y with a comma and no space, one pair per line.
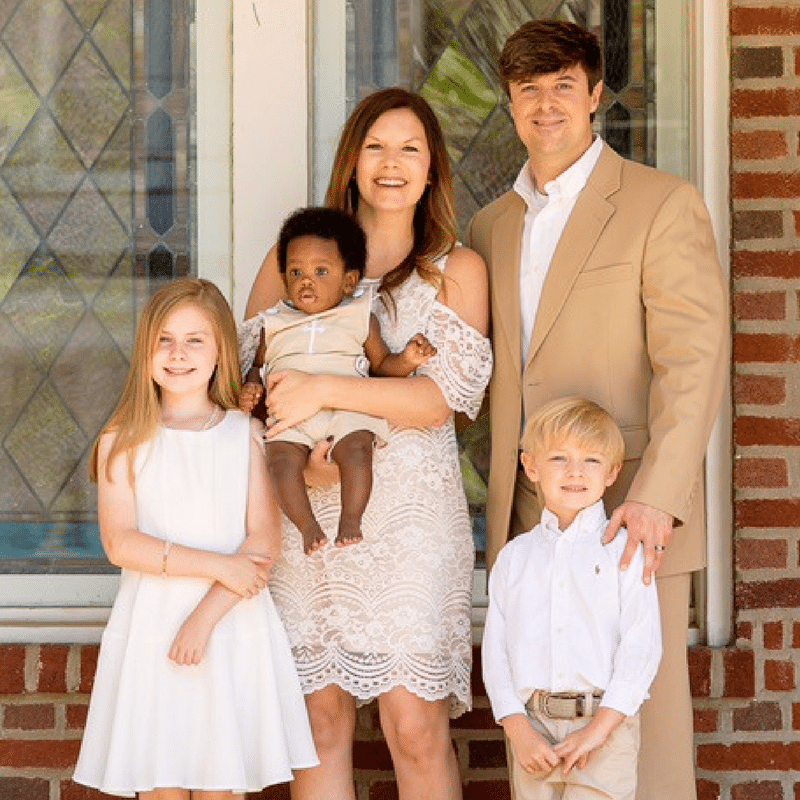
95,209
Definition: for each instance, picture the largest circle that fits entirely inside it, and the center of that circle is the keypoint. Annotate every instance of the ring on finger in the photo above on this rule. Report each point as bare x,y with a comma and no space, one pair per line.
660,548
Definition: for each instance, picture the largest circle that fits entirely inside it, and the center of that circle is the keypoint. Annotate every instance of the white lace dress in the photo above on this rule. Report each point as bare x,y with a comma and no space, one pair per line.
394,610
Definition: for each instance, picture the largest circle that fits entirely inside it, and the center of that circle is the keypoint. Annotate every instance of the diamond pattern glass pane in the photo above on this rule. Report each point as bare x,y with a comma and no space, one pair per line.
76,242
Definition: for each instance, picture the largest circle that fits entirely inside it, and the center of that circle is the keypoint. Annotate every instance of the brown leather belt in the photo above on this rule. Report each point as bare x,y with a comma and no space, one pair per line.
564,705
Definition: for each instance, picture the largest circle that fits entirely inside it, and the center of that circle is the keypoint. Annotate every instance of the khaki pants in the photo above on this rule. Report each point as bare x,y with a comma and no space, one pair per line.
610,773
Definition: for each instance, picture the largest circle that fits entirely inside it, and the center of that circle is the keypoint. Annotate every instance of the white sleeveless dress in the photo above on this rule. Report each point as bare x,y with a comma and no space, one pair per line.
394,609
237,721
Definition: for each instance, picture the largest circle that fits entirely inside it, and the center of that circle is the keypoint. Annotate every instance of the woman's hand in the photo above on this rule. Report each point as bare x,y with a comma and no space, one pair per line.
320,472
292,397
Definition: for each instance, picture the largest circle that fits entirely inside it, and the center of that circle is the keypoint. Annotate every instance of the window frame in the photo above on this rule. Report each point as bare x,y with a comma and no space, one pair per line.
254,164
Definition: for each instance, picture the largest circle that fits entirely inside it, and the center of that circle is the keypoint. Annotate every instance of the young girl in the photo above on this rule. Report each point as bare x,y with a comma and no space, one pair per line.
196,694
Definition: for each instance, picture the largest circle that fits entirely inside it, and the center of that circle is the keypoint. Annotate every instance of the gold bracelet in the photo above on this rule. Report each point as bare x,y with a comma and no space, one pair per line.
167,546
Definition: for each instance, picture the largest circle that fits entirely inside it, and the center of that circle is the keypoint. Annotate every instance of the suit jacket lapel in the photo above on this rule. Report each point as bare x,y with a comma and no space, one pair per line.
584,226
507,244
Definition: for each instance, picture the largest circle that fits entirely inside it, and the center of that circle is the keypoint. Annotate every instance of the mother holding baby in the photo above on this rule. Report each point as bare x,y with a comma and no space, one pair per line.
389,617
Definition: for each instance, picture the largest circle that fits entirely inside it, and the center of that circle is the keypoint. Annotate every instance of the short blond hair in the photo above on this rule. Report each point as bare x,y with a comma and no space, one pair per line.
575,419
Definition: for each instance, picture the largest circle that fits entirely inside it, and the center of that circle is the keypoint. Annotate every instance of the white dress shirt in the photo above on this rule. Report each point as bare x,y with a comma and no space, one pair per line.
545,219
563,617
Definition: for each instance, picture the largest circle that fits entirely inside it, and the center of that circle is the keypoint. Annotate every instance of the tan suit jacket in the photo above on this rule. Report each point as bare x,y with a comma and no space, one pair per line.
633,315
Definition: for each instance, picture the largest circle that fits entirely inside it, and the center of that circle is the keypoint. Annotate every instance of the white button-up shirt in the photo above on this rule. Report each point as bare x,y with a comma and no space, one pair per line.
545,219
563,617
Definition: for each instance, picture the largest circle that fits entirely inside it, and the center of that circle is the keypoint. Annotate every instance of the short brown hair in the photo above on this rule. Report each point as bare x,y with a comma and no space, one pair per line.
545,46
575,419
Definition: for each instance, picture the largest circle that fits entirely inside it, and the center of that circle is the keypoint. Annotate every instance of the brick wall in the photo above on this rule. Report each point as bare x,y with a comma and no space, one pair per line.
747,708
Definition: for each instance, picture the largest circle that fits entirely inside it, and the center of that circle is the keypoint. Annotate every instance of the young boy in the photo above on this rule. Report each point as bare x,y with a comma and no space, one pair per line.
571,643
325,326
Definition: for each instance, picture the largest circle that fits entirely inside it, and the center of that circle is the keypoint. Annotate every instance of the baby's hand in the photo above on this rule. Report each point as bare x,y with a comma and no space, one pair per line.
419,350
250,395
191,641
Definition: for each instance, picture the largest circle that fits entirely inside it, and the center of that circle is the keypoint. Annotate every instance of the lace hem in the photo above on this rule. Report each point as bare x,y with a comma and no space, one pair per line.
366,677
463,365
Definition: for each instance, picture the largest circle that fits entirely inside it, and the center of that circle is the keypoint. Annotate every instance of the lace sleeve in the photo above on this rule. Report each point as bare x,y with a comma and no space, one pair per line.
463,364
249,334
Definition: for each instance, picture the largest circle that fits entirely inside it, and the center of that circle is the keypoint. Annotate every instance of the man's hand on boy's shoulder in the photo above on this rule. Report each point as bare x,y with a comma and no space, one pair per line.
579,745
531,750
647,526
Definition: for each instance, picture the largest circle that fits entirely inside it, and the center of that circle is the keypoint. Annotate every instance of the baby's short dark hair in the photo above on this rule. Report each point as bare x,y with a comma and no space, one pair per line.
330,224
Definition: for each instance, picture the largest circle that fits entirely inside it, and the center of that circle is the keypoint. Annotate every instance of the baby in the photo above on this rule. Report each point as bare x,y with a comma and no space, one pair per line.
325,326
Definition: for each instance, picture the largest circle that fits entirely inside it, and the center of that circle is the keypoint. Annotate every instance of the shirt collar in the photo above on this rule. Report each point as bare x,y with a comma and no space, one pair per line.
566,186
588,521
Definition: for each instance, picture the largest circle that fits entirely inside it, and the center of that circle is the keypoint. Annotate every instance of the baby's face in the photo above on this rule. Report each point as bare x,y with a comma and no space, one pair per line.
315,277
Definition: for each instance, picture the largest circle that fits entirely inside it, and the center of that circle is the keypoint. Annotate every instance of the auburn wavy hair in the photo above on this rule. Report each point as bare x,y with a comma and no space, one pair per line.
435,228
137,415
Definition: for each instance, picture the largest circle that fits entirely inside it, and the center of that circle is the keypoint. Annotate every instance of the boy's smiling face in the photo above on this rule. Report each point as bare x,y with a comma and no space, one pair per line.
316,277
572,477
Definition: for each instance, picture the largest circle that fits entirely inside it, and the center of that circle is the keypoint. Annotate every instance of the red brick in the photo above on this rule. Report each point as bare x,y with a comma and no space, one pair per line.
479,719
53,668
796,216
759,145
755,224
738,673
766,264
89,655
759,390
744,631
783,593
757,790
758,717
757,62
796,635
700,671
24,789
796,716
778,431
707,790
706,720
765,348
53,754
768,513
773,635
487,790
38,716
760,305
797,61
749,756
73,791
779,102
12,669
487,754
779,676
771,473
760,21
278,792
383,790
76,716
476,677
761,553
371,755
759,185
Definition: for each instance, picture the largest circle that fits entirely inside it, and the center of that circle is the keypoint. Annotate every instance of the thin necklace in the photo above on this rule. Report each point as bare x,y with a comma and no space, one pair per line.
210,421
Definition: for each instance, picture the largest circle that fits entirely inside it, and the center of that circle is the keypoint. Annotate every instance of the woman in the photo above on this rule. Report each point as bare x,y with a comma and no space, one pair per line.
390,617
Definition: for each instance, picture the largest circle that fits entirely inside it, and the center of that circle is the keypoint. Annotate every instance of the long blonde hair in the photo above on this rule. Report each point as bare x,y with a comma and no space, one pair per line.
137,415
435,228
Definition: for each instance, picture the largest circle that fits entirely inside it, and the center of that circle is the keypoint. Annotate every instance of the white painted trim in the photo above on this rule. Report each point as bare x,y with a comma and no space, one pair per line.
213,141
712,113
270,129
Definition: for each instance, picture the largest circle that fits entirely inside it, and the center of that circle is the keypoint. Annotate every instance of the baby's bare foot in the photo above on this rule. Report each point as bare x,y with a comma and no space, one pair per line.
313,540
349,532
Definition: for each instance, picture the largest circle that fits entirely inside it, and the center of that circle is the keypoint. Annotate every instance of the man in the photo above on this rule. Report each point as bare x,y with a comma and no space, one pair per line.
605,283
